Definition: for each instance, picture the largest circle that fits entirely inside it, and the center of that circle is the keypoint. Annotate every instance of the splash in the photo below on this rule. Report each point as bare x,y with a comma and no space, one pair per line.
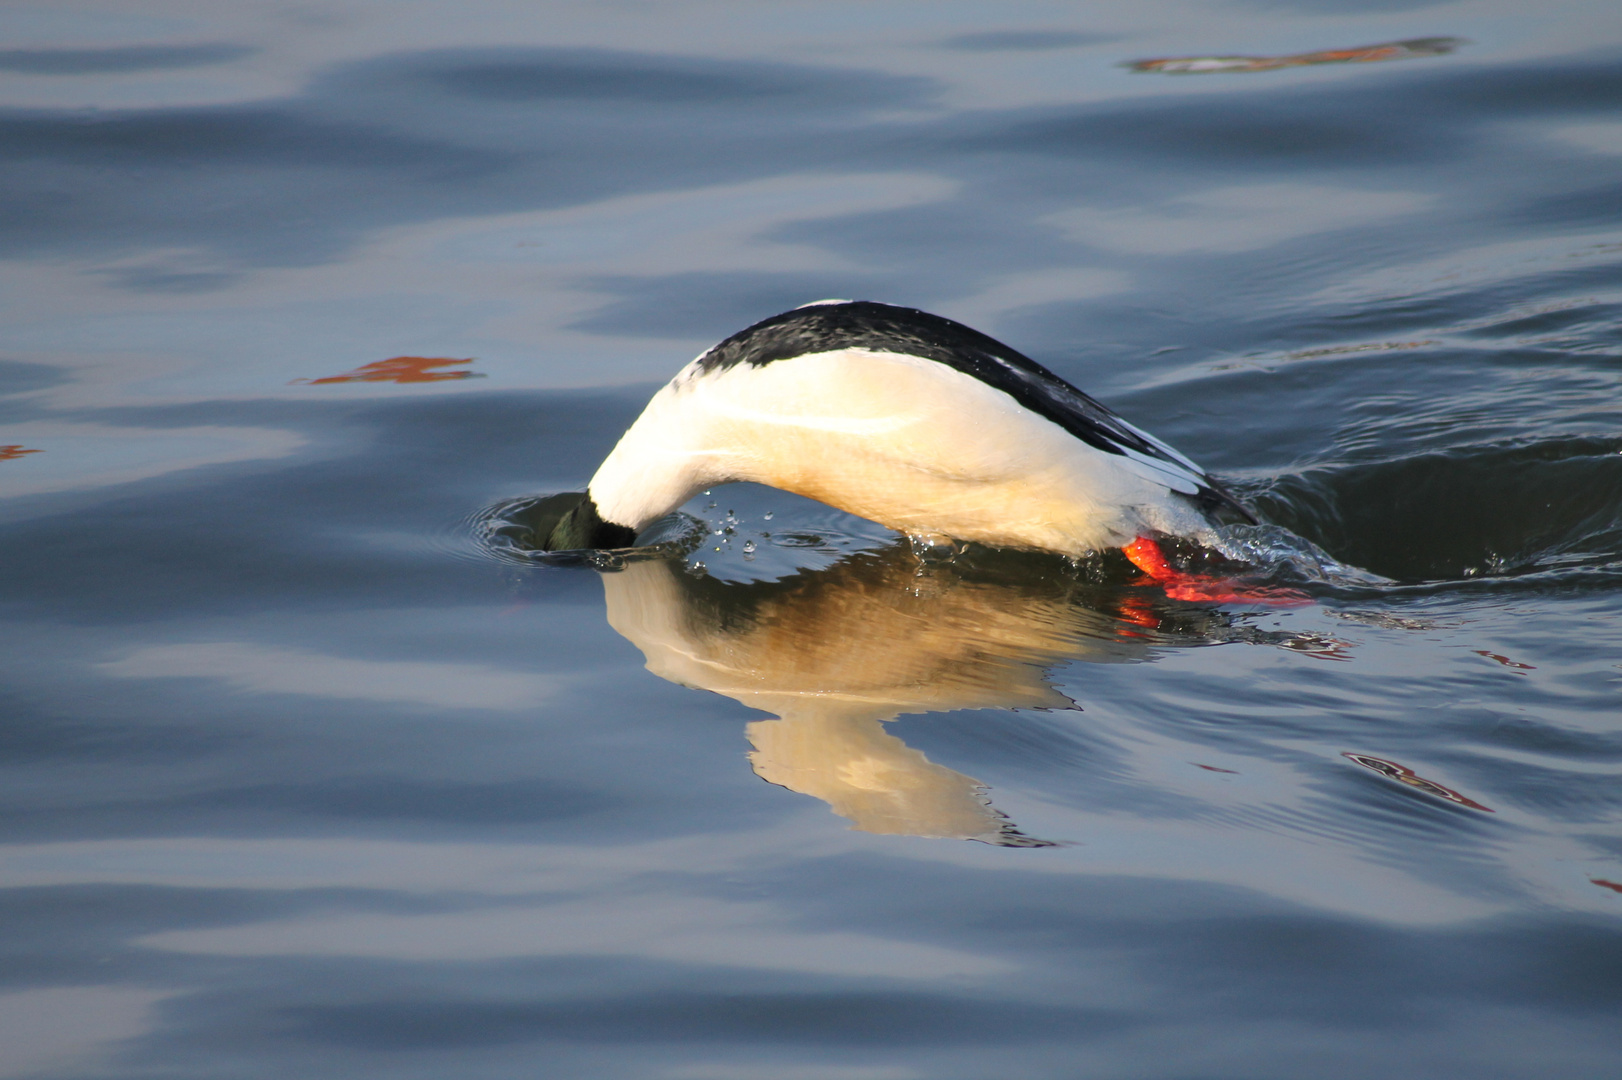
1278,552
1537,510
1360,54
400,369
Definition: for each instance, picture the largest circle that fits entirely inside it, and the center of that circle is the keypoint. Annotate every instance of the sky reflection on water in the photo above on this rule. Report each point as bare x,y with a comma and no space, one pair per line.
304,777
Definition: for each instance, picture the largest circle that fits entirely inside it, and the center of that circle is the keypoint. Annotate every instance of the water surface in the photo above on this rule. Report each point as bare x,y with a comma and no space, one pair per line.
311,770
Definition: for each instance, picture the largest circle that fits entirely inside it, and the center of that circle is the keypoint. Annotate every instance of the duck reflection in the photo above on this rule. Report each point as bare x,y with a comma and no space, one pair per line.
833,653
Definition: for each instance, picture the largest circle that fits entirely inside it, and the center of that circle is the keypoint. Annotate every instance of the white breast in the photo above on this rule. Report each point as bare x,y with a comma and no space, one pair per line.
910,443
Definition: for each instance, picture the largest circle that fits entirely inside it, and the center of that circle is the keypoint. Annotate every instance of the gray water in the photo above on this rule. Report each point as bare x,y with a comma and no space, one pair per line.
312,769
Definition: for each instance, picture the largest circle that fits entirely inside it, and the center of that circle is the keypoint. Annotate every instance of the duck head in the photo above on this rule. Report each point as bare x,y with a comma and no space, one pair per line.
567,522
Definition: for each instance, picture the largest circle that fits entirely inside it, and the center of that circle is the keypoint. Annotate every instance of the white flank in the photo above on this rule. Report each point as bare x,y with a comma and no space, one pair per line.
910,443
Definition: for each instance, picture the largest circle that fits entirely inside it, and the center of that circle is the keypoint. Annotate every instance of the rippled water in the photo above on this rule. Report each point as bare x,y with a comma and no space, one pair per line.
311,768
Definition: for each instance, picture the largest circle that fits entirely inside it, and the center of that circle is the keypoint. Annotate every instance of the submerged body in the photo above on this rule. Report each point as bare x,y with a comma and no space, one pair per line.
907,419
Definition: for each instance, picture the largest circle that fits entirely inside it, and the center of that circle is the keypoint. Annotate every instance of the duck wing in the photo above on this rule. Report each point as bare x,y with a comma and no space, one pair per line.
862,324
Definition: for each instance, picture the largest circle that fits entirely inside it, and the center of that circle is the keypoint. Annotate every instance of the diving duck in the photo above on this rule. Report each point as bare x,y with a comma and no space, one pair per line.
908,419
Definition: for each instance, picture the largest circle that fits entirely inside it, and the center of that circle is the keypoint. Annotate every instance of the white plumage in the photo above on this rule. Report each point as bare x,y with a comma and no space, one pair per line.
909,420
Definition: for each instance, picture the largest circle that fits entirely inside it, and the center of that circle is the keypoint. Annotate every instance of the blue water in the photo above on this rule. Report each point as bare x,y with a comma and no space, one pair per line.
311,768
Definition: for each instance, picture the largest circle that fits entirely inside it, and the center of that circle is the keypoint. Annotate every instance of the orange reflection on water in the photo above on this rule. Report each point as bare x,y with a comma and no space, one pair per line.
1602,883
1136,610
1404,775
401,369
1506,661
15,450
1361,54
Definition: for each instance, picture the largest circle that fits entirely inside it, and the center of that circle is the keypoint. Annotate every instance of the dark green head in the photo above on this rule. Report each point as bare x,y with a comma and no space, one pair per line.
570,522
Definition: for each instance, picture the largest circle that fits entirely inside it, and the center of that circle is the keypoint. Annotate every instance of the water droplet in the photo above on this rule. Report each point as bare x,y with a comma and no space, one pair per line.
748,547
768,514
